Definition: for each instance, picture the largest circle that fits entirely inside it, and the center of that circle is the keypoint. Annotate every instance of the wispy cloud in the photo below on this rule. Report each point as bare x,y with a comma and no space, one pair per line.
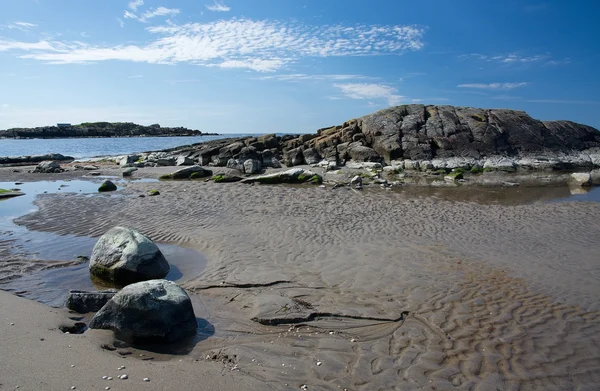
135,76
509,59
371,91
121,23
218,6
303,77
494,86
160,11
23,26
135,4
234,43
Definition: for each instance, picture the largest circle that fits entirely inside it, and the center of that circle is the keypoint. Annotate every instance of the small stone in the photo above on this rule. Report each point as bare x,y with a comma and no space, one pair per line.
123,377
109,378
12,324
146,379
104,377
353,340
72,365
121,368
107,388
73,387
319,363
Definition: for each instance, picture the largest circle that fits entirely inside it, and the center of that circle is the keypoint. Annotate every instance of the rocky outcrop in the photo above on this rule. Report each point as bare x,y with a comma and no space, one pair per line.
188,173
16,160
294,175
419,137
100,129
156,309
123,255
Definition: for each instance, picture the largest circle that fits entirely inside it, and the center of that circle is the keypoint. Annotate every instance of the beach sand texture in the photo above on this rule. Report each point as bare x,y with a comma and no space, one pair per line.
372,290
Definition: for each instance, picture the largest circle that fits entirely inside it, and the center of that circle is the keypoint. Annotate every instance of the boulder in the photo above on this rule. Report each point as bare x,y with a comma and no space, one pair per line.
48,167
129,171
128,159
84,302
252,166
294,175
190,172
184,161
582,179
248,153
123,255
107,186
293,157
360,153
225,178
311,156
269,159
150,310
235,164
168,161
357,180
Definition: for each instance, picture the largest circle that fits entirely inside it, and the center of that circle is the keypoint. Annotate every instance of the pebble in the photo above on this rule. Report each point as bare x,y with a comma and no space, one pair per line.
121,367
73,387
353,340
104,377
123,377
12,324
146,379
72,365
319,363
109,378
107,388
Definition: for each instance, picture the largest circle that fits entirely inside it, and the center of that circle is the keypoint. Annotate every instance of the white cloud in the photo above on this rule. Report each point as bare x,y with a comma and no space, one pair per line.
129,15
304,76
160,11
218,6
121,23
509,59
234,43
493,86
135,4
371,91
135,76
23,26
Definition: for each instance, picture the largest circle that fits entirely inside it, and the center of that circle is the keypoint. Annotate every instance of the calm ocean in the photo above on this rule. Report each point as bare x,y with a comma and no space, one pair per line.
93,147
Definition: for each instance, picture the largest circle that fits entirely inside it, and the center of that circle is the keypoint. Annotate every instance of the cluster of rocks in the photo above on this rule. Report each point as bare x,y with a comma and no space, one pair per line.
99,129
148,307
22,160
412,137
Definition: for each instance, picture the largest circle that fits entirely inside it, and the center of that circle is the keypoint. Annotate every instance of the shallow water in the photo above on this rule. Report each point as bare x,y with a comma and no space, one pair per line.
50,284
91,147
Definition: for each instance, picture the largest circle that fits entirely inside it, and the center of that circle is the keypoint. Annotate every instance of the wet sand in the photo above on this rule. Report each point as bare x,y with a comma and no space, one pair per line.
372,290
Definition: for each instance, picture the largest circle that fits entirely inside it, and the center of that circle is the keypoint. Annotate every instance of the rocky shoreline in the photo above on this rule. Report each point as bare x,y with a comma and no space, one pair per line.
100,129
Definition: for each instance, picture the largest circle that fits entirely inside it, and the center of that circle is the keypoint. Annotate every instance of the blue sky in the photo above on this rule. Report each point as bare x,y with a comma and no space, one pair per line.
257,66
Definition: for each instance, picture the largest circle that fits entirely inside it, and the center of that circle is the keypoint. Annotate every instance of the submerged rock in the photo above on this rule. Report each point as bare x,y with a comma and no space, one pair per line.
123,255
582,179
155,309
84,302
107,186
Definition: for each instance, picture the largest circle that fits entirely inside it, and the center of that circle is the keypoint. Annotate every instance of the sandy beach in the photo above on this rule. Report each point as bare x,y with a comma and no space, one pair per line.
334,289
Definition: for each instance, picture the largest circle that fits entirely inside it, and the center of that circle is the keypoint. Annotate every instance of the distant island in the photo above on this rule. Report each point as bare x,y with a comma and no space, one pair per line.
100,129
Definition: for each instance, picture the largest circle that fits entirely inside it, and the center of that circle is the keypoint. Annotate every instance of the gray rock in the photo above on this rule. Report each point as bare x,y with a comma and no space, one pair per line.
583,179
248,153
123,255
235,164
129,171
107,186
360,153
357,181
293,157
311,156
252,166
190,172
48,167
128,159
150,310
84,302
184,161
165,161
294,175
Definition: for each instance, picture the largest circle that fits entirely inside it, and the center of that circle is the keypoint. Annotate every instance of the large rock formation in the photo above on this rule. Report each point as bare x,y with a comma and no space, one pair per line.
123,255
99,129
419,137
155,309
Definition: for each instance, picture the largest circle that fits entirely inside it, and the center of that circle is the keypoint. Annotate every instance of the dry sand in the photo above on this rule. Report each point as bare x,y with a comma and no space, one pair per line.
367,290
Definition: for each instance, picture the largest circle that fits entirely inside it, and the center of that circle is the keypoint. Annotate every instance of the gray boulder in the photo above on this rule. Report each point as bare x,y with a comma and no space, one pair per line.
107,186
84,302
190,172
235,164
150,310
129,159
311,156
360,153
48,167
252,166
123,255
293,157
293,175
184,161
129,171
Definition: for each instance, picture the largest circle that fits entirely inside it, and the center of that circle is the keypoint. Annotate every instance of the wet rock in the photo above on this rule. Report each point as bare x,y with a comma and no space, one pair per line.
225,178
126,160
311,156
48,167
129,171
123,255
84,302
293,157
107,186
155,309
